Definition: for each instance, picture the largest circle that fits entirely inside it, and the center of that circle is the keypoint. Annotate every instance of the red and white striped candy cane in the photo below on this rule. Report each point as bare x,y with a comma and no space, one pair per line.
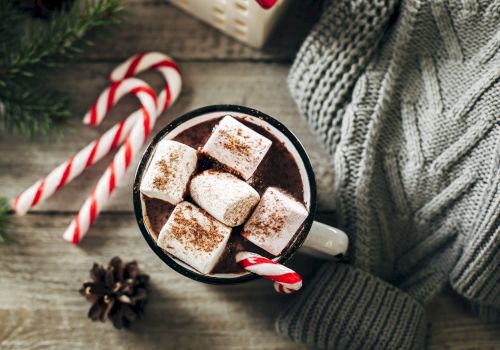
116,170
135,65
157,61
90,154
285,279
113,175
115,136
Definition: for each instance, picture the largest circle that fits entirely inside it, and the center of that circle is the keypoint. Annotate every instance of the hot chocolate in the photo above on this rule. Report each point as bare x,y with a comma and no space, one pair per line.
219,187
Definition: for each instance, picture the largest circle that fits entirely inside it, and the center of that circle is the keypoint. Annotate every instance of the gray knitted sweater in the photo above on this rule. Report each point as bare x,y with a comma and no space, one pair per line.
406,99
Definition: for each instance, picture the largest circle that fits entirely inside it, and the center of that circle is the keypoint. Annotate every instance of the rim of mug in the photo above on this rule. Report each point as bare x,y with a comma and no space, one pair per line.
136,195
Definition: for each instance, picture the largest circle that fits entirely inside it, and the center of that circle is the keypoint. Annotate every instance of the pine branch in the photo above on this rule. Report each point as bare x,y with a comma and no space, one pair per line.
26,105
33,110
9,25
45,45
4,219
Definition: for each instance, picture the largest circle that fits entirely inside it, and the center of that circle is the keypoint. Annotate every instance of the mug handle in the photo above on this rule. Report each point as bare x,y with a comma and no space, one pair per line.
325,242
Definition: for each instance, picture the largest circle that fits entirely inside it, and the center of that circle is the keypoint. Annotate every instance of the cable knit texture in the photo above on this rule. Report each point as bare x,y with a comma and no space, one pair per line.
406,99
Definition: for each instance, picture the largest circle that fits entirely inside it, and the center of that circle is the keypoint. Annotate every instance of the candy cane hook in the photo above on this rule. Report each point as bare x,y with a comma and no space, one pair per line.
285,279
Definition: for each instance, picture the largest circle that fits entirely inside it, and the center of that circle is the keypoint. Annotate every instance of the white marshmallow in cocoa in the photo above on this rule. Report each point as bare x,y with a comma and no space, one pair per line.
275,221
169,171
193,236
237,147
224,196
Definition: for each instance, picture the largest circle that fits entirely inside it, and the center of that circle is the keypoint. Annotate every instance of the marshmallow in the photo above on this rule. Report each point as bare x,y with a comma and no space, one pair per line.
275,221
169,171
237,147
194,237
224,196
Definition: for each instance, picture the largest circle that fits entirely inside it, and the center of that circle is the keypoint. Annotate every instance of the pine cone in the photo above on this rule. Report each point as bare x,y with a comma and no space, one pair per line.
117,293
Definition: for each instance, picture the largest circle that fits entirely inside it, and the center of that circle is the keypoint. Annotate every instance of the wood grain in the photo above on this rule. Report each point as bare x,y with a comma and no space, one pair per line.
40,306
258,85
453,326
40,274
157,25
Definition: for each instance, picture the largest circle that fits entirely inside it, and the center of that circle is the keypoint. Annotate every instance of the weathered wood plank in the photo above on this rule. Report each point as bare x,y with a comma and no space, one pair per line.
454,327
41,274
157,25
41,307
258,85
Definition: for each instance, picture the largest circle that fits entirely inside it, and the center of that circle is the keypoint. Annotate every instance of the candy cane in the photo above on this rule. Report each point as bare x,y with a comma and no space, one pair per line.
93,152
285,279
113,175
153,60
135,65
116,170
97,149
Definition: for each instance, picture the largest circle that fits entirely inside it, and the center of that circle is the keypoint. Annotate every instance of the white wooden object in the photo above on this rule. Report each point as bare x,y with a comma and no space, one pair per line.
244,20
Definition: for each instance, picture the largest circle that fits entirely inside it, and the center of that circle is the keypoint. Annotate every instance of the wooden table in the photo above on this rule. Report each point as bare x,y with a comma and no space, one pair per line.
40,274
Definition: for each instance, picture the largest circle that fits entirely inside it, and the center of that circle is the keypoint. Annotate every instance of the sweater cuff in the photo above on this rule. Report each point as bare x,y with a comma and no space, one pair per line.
347,308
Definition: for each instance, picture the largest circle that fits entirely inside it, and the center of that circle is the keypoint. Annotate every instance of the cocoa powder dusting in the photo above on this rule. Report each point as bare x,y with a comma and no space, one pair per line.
191,232
234,144
161,182
265,227
239,132
277,169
